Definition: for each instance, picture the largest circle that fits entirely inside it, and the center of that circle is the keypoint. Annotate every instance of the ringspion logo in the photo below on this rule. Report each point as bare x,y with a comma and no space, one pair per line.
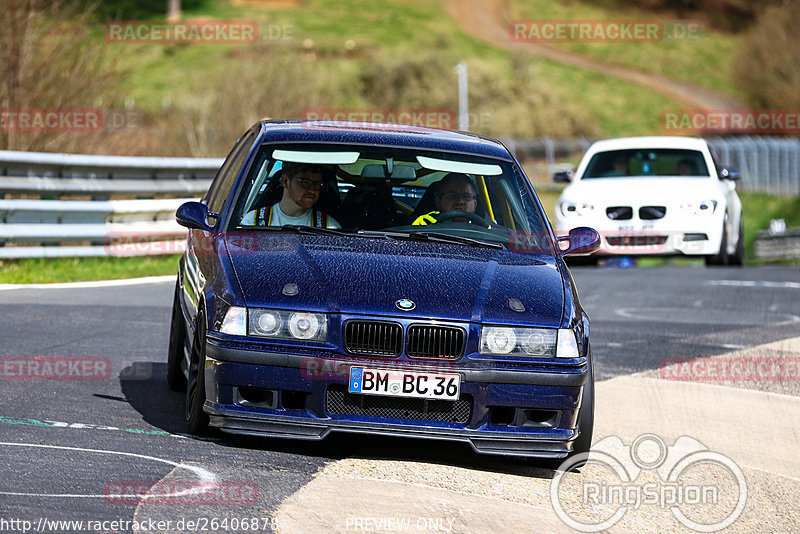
704,490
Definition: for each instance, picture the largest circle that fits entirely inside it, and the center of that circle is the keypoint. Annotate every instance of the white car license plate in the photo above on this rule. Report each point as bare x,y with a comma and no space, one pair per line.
395,383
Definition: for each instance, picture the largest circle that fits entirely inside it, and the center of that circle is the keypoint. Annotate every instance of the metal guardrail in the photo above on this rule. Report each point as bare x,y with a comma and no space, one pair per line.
767,164
784,245
34,227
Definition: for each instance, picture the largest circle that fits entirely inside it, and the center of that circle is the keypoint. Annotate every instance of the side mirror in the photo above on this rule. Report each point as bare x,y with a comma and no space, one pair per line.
582,240
194,215
729,173
563,177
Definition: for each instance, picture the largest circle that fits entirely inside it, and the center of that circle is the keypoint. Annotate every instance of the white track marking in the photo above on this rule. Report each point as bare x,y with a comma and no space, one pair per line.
203,474
753,283
88,285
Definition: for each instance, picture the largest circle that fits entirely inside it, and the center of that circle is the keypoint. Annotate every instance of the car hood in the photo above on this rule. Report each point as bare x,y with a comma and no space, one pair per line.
641,191
368,276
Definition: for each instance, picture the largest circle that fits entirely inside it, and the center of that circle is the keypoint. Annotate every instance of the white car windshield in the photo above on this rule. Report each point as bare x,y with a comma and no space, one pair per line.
646,163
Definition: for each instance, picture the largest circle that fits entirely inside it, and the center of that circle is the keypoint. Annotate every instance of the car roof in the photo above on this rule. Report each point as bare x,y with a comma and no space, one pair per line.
625,143
382,134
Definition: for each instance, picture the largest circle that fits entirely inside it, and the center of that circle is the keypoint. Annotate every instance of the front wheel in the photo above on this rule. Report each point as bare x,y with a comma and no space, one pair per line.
721,257
196,418
585,421
177,340
738,256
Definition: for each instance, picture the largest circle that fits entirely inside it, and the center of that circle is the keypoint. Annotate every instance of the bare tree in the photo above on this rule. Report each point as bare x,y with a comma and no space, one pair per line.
48,61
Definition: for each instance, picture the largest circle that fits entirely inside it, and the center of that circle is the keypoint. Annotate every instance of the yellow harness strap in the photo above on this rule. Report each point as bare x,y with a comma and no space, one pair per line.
425,219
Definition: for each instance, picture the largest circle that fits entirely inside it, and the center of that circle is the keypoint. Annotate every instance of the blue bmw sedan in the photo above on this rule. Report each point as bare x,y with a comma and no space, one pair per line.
380,279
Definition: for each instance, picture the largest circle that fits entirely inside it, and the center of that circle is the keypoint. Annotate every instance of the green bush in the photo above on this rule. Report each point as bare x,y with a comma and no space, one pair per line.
767,66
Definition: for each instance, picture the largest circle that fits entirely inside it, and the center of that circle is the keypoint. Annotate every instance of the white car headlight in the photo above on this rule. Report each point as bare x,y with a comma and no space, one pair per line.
573,209
288,324
700,207
498,340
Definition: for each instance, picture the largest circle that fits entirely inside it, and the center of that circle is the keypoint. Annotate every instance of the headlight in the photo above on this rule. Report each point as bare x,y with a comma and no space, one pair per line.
499,340
288,324
572,209
701,207
304,325
235,322
567,344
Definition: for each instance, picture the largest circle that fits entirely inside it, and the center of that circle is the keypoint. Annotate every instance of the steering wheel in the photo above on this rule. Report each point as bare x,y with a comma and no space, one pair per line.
455,214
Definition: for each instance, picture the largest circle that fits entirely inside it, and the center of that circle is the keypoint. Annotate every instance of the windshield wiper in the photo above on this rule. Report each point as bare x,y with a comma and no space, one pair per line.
447,238
313,230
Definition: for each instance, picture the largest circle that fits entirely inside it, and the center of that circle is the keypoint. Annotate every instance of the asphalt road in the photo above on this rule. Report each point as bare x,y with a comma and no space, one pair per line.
65,445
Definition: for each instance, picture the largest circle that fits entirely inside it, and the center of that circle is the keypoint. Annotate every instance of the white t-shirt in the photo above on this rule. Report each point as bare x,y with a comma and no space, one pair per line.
279,218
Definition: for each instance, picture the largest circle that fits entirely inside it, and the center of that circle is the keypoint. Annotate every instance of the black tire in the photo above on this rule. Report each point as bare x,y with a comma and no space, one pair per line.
720,258
585,424
738,256
177,339
585,416
196,418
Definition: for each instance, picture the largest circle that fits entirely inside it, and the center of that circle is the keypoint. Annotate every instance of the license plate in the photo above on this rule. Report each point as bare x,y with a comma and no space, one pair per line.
395,383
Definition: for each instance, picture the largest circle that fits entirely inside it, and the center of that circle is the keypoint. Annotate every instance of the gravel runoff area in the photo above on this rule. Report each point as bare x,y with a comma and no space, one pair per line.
772,367
438,497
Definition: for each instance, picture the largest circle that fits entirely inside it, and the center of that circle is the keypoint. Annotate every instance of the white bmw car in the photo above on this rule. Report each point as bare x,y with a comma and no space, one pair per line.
656,196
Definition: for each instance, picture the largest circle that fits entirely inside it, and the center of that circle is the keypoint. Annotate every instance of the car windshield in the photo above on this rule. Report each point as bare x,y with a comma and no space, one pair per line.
646,162
391,192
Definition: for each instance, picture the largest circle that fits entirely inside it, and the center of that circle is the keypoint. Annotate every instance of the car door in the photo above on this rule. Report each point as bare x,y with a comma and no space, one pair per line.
201,259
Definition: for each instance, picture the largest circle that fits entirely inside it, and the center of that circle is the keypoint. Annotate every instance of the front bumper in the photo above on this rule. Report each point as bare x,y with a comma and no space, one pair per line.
511,412
698,236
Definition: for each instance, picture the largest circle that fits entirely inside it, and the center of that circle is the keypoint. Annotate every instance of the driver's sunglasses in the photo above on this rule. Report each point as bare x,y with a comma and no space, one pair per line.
309,184
466,197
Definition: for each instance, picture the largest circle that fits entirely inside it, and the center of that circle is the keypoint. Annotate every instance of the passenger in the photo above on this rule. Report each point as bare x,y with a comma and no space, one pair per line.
302,184
687,167
621,166
455,192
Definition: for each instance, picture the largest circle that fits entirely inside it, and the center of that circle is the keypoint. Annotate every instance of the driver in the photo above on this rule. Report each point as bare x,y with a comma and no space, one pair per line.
455,192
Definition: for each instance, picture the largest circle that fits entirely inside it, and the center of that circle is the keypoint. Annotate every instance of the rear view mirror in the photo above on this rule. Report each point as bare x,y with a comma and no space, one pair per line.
729,173
582,240
399,172
194,215
563,177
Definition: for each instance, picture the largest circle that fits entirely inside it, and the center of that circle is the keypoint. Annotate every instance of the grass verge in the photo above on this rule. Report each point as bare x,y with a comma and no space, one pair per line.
758,208
59,270
680,56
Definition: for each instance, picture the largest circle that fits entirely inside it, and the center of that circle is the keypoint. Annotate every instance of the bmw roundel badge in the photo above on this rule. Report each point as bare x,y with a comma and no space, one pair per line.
405,304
